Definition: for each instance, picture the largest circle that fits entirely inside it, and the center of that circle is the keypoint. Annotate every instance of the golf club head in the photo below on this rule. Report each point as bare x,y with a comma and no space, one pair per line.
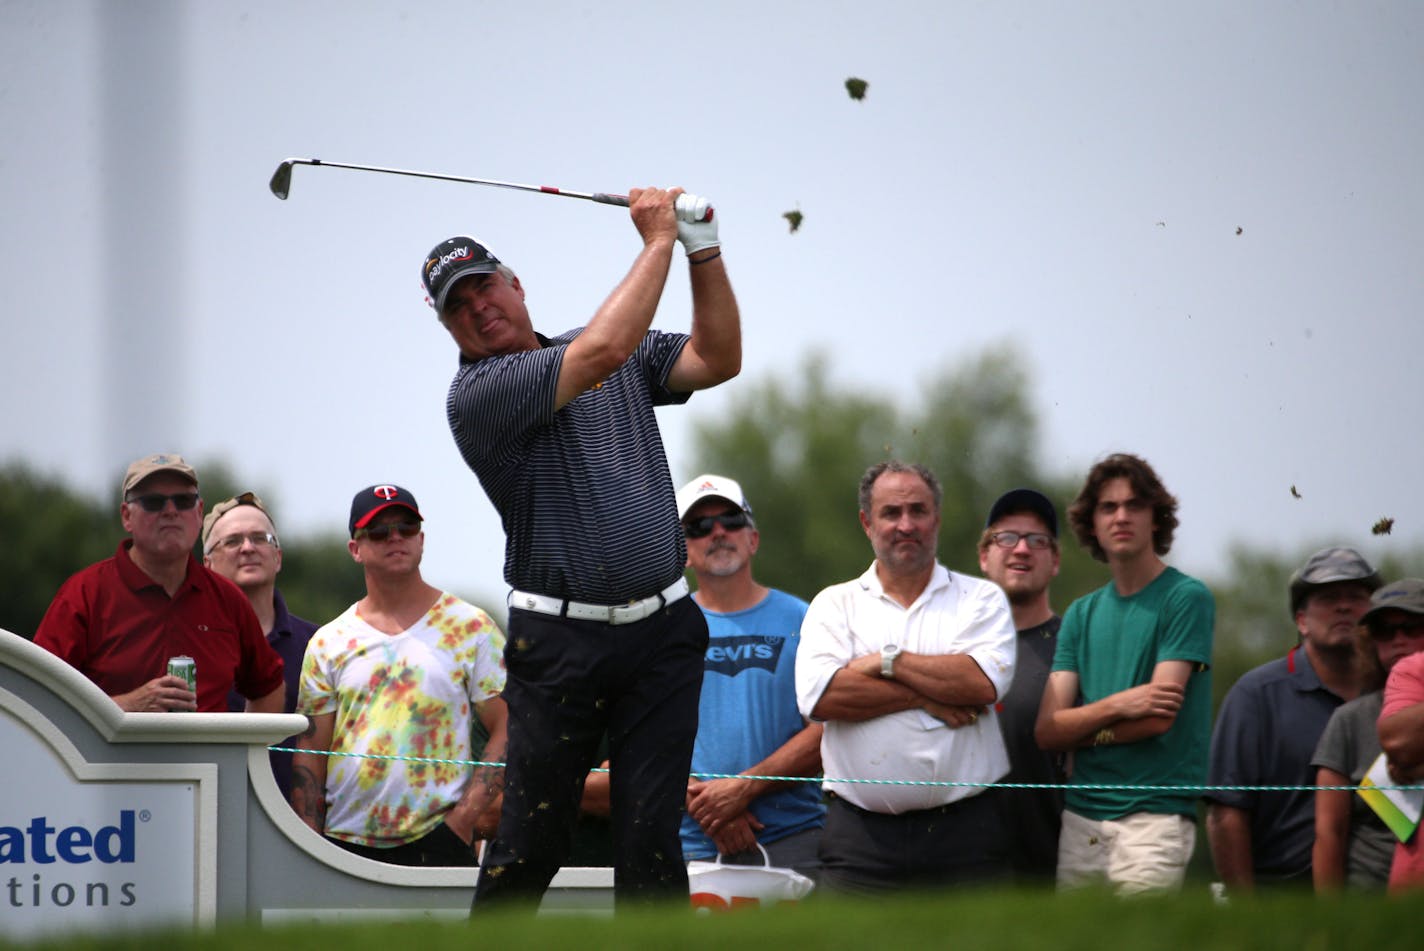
281,183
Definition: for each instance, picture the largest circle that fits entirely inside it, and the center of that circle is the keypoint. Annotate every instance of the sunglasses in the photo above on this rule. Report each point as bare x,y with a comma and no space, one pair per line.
1386,632
1038,541
702,527
156,501
379,533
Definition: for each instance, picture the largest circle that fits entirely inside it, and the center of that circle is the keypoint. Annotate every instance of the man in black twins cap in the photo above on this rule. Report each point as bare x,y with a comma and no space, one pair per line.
602,636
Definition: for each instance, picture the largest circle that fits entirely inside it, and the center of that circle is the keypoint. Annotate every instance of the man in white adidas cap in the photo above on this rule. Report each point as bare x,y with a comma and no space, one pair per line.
747,718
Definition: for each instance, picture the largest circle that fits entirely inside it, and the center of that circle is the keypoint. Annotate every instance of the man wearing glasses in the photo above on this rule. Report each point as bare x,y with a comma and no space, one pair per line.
603,639
120,620
240,543
904,665
747,718
1019,552
400,673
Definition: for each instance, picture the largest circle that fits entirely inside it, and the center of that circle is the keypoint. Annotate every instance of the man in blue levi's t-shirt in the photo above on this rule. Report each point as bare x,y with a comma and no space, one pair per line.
748,722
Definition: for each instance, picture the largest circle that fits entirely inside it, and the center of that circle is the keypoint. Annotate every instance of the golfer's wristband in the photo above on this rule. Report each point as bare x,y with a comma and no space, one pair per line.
710,257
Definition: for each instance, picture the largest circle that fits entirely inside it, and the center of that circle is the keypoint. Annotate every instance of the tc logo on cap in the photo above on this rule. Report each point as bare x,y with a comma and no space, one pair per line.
386,492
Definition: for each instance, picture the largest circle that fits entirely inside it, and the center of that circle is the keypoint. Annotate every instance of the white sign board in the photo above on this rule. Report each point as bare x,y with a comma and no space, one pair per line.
91,847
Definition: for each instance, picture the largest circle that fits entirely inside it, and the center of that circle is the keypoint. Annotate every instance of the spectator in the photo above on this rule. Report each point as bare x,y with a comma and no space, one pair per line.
400,673
1353,846
1270,722
240,543
1130,693
1401,724
120,620
747,720
903,665
1019,552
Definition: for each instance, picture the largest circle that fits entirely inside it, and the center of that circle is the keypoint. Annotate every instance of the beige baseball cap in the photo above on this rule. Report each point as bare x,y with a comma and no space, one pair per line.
141,469
227,505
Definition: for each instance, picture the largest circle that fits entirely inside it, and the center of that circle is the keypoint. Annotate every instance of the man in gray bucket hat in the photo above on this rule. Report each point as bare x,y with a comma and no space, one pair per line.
1271,720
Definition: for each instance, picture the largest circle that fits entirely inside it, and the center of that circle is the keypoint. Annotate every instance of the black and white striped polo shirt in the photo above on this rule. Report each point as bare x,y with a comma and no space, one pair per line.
585,493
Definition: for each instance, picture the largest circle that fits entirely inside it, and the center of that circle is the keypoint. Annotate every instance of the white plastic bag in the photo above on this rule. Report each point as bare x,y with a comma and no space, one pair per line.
718,887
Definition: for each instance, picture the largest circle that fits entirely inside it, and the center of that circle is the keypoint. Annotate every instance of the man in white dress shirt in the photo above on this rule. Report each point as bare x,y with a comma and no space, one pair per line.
904,665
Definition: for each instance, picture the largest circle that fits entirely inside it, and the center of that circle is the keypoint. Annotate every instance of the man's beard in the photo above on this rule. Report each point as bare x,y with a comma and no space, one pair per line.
723,562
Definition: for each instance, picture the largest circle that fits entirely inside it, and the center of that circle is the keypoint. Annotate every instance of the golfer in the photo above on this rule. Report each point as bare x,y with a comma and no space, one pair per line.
602,635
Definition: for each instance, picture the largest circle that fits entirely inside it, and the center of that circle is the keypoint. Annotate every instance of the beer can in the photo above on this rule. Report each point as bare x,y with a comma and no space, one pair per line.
185,668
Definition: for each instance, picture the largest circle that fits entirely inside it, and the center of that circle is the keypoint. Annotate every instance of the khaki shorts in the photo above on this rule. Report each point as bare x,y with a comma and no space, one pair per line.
1141,852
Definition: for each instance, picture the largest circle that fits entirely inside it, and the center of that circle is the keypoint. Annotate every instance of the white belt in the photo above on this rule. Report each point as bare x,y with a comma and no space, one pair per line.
606,613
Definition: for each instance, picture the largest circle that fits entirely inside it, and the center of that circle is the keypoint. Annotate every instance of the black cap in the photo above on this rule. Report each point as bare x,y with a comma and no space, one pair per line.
449,261
1024,500
377,498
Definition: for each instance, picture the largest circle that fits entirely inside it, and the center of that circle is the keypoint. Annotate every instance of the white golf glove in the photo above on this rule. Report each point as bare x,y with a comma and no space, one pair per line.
694,233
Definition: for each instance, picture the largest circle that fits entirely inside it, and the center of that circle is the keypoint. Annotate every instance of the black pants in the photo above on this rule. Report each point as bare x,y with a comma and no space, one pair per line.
439,847
567,683
865,852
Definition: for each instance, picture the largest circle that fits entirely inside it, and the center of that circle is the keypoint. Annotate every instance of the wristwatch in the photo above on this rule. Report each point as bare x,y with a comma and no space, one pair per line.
888,653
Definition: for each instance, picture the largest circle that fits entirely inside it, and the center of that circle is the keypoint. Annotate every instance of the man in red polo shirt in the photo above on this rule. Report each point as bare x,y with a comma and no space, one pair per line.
120,620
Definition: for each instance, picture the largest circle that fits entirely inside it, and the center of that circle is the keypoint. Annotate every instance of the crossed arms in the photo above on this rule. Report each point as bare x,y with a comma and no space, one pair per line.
949,687
1128,716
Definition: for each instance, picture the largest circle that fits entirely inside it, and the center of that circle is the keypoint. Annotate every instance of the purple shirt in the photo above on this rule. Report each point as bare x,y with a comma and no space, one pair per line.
288,637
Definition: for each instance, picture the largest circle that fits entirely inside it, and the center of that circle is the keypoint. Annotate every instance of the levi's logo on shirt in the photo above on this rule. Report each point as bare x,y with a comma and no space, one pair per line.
732,655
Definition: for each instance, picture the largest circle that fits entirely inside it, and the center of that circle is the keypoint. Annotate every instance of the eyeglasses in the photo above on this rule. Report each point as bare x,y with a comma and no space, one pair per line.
1038,541
379,533
234,542
156,501
1386,632
702,527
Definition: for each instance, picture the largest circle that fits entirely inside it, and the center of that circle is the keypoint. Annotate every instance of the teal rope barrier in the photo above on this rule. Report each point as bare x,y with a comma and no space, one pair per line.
878,782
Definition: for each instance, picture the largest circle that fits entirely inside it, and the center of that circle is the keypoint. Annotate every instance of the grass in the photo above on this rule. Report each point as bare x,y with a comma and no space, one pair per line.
963,921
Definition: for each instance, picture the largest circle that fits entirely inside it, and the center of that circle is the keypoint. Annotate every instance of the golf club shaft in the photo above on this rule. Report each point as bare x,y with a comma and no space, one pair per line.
281,183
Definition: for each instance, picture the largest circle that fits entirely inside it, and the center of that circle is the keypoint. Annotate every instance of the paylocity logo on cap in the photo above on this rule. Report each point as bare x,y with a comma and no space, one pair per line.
451,260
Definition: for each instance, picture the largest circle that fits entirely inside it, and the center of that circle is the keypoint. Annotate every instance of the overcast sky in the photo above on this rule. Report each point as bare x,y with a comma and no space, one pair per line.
1200,223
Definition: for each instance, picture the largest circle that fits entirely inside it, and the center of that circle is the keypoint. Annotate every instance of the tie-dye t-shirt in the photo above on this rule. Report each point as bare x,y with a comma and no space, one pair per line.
406,694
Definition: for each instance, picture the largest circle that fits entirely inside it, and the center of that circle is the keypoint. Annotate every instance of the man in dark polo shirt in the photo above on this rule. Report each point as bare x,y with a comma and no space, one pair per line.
120,620
1270,722
240,543
602,636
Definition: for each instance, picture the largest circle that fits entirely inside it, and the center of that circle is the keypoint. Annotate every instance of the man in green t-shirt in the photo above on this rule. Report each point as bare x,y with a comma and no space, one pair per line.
1130,690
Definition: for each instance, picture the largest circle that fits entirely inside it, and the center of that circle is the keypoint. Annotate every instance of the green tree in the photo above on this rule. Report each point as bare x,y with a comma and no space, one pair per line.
57,531
53,533
799,451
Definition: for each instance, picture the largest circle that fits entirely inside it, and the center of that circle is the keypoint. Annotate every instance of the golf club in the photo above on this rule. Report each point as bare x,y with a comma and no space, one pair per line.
281,184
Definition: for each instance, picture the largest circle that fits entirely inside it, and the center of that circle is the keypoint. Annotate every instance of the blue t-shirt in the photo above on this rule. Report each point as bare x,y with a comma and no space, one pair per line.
748,711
